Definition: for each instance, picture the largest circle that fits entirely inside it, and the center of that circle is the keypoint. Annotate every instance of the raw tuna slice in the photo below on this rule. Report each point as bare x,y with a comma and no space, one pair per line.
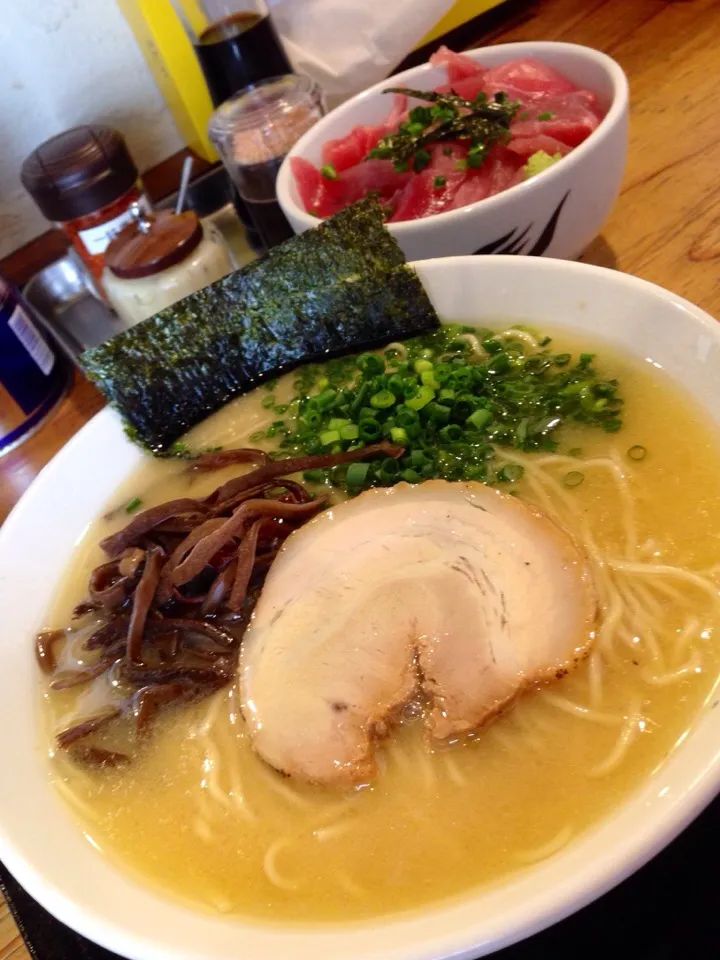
378,175
444,157
529,75
421,198
458,65
570,118
497,173
468,88
345,152
308,181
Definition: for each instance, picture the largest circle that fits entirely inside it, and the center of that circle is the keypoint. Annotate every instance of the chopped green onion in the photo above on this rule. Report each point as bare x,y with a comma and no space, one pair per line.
439,181
132,505
573,479
328,437
424,395
437,412
420,160
427,377
179,449
637,452
350,431
421,366
562,359
382,400
329,172
400,166
357,474
326,398
281,407
337,422
461,164
480,418
388,470
370,430
451,433
475,157
545,115
411,476
257,436
315,475
398,435
268,402
370,364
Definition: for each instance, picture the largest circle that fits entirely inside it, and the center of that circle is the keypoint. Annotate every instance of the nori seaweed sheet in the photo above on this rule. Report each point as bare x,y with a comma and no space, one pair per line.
341,287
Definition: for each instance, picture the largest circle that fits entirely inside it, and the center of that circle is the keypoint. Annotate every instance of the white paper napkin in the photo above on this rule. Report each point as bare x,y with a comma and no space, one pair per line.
347,45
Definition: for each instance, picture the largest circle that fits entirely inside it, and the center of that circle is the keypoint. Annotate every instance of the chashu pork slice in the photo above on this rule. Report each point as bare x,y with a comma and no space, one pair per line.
451,589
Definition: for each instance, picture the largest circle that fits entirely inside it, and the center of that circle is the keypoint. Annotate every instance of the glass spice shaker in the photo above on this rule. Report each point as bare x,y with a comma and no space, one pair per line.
253,131
86,182
159,259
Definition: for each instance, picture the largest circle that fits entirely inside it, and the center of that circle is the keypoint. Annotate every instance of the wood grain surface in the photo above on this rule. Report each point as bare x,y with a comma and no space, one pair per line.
665,226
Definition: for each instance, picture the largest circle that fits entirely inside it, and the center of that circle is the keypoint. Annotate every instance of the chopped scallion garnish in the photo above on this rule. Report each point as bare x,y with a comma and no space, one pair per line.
132,505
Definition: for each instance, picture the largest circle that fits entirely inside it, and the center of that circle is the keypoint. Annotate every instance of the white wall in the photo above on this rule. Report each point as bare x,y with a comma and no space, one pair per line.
66,62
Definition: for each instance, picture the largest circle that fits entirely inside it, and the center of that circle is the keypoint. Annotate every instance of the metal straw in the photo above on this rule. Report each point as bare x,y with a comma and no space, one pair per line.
184,180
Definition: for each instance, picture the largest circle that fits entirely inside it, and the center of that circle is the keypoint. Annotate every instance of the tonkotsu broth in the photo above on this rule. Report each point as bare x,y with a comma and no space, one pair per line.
198,815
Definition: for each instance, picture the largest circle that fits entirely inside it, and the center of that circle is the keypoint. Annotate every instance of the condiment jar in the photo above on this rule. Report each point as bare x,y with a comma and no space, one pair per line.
160,258
253,131
86,182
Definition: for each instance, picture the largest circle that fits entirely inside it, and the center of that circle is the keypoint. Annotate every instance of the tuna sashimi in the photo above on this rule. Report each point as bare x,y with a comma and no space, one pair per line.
529,75
545,117
458,65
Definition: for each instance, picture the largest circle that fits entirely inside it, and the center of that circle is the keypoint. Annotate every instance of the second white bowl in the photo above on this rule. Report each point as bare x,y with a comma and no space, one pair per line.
555,214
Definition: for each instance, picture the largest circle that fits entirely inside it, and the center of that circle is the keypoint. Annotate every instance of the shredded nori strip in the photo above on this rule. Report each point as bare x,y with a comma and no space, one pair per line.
339,288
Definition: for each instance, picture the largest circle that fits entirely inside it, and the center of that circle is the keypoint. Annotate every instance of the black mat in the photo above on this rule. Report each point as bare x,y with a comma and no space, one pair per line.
670,910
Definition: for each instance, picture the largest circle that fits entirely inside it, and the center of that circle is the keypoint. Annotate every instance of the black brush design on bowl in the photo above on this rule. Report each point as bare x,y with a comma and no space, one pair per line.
515,242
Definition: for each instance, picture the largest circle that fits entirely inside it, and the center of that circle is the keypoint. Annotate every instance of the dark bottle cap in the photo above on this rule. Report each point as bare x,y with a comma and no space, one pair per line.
153,243
78,172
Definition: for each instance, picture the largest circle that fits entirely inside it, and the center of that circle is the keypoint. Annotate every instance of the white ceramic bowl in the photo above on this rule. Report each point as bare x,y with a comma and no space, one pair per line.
555,214
43,846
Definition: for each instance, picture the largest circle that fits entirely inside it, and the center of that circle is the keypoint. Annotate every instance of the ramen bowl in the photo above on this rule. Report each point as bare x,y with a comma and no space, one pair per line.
555,214
42,844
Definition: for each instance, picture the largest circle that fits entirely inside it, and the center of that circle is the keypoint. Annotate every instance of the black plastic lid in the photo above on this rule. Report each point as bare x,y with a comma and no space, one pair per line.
78,172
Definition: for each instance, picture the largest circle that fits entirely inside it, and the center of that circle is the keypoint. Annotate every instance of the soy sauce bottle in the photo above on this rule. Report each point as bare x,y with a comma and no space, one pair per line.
236,45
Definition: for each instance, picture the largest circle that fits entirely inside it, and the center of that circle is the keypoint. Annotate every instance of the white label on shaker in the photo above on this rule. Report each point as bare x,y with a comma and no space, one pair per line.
24,329
96,239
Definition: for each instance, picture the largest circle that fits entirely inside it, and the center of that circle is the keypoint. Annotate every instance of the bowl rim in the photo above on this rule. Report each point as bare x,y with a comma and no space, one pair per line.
698,788
617,110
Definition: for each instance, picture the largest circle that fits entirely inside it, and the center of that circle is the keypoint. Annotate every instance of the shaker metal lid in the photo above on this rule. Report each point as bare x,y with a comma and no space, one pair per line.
153,243
78,171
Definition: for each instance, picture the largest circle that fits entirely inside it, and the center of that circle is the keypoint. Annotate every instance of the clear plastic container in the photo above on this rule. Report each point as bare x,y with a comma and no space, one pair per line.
159,260
253,131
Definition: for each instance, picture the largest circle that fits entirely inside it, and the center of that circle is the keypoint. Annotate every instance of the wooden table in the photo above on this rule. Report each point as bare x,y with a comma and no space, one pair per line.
665,226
